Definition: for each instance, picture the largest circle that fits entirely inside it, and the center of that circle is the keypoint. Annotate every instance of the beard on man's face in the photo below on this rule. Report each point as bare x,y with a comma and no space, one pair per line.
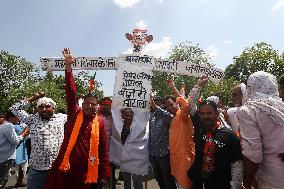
45,115
89,111
208,123
106,112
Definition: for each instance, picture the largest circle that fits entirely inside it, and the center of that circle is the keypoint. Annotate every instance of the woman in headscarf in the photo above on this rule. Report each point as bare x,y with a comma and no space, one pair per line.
262,132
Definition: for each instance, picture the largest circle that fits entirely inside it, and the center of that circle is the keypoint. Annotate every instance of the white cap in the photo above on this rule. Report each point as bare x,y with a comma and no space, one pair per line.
213,99
47,101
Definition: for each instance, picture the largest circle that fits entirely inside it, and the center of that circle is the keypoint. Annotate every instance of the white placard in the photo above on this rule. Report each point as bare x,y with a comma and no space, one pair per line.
190,69
133,82
81,63
112,63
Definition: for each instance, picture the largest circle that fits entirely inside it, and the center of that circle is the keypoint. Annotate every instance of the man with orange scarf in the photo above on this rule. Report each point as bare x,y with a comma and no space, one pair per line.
83,158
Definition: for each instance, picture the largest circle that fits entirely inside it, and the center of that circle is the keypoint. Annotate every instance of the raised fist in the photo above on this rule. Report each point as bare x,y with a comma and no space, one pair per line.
202,80
170,82
39,94
69,59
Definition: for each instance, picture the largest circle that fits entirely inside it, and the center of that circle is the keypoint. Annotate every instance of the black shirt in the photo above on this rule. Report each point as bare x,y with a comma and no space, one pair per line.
124,134
228,151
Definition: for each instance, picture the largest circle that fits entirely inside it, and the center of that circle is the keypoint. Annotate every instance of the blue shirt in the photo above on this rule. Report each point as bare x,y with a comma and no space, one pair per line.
160,122
21,151
8,141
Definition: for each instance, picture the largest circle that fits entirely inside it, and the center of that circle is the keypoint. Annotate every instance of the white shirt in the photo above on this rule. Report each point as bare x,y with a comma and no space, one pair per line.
133,156
262,142
233,116
46,135
8,141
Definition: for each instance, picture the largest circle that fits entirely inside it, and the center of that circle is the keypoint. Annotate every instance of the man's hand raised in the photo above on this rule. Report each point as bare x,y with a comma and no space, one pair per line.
39,94
36,96
170,83
202,81
69,59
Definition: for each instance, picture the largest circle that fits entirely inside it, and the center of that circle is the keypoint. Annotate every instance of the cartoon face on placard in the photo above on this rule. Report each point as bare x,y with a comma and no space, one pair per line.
138,39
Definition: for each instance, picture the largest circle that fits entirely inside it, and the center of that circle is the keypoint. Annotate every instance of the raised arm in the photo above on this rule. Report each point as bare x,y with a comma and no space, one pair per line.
172,86
184,106
70,87
194,93
18,108
158,111
152,103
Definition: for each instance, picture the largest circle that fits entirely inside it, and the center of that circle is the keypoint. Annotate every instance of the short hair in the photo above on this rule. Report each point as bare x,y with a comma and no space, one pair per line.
90,95
210,103
9,115
126,109
105,98
231,104
169,97
281,81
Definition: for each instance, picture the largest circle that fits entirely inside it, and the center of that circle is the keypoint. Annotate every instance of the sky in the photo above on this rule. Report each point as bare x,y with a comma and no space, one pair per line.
223,28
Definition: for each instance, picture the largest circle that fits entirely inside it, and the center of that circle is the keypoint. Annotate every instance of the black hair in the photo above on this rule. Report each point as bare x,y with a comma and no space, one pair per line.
210,103
105,98
126,109
231,104
9,115
90,95
169,97
281,81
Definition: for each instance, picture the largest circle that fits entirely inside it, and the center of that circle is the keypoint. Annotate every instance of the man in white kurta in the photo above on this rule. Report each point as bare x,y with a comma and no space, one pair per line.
132,157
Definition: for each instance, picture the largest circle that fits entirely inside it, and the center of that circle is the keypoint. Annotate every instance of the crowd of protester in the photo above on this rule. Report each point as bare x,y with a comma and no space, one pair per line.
187,142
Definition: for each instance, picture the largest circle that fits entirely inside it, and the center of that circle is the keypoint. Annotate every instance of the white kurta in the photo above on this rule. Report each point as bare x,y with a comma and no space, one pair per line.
132,157
233,116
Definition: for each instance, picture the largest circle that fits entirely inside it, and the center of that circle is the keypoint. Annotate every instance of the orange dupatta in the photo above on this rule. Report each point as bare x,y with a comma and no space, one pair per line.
93,161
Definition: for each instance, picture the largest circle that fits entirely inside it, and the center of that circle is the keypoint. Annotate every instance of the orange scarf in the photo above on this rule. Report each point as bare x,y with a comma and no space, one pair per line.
93,162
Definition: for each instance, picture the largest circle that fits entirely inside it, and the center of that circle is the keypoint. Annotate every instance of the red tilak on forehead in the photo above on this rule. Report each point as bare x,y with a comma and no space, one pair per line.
106,102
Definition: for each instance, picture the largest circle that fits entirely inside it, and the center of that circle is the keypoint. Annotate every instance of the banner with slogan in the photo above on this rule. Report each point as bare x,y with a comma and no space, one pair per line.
113,63
190,69
133,85
80,63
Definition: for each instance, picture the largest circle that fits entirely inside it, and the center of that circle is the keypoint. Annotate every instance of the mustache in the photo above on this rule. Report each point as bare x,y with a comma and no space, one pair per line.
44,113
208,120
90,109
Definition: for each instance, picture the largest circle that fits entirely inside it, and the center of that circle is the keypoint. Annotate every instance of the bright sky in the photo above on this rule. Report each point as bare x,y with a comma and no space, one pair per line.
36,28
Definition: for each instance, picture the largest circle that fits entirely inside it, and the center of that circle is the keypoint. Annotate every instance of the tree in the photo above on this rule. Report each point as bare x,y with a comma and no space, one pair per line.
20,78
222,89
186,51
277,68
259,57
16,74
54,87
191,52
